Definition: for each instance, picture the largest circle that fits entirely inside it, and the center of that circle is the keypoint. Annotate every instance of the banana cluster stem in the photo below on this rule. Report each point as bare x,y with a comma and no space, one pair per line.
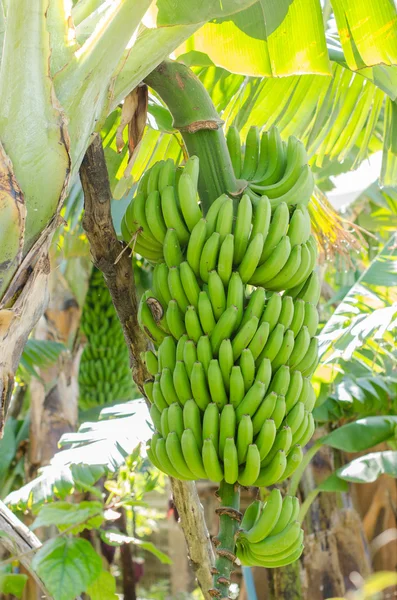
195,116
225,542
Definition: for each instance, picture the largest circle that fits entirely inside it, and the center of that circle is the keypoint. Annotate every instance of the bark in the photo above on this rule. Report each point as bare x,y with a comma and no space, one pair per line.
335,544
127,563
110,257
19,540
54,398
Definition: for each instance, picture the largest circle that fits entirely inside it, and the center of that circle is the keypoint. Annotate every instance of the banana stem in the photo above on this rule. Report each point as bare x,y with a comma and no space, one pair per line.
225,542
196,118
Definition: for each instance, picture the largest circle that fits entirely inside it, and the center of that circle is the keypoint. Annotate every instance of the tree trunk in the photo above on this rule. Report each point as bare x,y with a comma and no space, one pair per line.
335,544
54,398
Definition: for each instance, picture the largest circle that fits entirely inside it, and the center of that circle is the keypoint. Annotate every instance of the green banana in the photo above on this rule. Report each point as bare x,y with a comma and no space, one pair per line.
226,361
266,437
249,473
151,362
167,354
217,295
298,316
261,218
181,346
224,328
224,221
278,413
295,417
287,312
294,459
273,472
281,381
212,214
172,216
245,436
176,288
283,441
174,452
154,216
251,154
187,192
289,270
230,460
216,385
206,314
272,265
189,356
251,401
235,296
167,386
148,387
153,179
277,230
211,425
160,283
175,320
147,322
244,336
198,382
255,306
155,415
264,413
272,311
237,387
251,515
195,246
264,372
211,462
158,397
227,427
192,420
285,351
273,344
308,358
251,258
225,259
181,382
209,256
308,395
293,395
268,517
247,365
301,346
166,175
311,318
172,249
192,455
275,164
204,352
192,323
175,419
242,228
285,515
190,284
167,465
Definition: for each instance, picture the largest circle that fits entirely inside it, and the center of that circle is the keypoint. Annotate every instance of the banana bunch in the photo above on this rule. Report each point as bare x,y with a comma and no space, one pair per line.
104,372
166,198
272,167
270,535
232,315
269,248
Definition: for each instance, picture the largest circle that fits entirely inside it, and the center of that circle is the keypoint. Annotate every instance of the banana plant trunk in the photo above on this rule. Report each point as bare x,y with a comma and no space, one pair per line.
335,543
